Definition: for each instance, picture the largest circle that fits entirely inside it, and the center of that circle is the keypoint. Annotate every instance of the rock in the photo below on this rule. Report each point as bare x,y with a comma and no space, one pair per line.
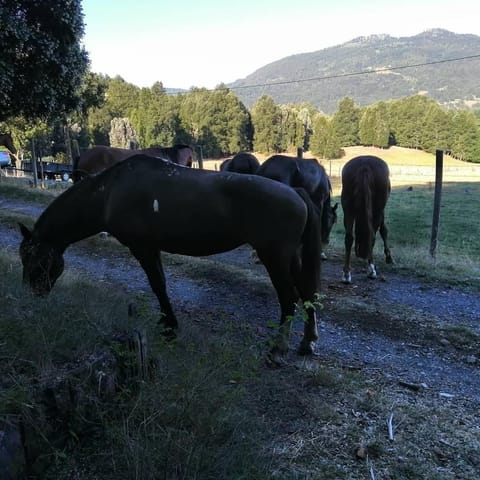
471,359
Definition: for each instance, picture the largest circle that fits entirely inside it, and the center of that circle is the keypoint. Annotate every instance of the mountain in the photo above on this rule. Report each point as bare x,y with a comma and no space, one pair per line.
333,72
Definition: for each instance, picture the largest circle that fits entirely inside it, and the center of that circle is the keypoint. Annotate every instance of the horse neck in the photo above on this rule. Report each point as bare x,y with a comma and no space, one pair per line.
73,216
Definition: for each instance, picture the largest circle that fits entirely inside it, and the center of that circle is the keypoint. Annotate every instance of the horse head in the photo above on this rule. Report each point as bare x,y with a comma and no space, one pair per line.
184,155
42,263
7,141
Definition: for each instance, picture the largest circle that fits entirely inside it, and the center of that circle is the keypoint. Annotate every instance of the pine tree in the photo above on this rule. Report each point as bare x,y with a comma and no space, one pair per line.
266,119
346,123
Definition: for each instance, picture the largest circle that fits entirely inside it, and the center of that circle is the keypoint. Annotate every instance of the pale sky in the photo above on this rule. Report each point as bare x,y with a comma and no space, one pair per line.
202,43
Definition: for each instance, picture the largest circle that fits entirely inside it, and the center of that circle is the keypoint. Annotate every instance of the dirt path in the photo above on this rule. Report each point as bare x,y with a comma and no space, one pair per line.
396,325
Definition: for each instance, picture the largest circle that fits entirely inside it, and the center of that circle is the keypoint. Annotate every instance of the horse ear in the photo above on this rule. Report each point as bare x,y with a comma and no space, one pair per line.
27,234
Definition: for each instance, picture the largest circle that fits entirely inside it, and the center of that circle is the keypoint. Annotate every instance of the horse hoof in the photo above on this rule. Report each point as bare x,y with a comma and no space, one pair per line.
389,260
323,256
371,272
275,358
169,334
306,348
347,278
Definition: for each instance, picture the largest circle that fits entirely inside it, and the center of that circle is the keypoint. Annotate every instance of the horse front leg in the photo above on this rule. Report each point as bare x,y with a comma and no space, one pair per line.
307,279
151,262
287,295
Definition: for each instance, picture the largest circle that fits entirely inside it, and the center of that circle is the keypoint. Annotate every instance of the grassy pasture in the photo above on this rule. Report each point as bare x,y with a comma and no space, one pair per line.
409,221
409,213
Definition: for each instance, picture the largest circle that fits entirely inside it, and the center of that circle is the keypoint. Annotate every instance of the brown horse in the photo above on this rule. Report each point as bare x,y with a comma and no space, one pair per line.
215,212
7,141
100,157
242,162
365,191
310,175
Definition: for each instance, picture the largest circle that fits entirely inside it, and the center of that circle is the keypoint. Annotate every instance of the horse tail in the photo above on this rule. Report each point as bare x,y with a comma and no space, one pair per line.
311,253
364,216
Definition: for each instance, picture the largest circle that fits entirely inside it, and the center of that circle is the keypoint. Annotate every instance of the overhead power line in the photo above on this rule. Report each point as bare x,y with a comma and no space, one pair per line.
329,77
352,74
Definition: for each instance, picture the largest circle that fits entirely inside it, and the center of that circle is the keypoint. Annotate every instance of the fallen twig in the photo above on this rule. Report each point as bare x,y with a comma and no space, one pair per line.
390,427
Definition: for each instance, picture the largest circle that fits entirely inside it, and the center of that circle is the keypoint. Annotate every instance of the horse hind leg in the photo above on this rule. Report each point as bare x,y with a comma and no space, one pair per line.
386,249
371,271
347,271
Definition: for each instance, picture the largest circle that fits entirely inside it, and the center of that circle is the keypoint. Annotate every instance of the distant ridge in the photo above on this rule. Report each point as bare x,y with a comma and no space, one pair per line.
451,83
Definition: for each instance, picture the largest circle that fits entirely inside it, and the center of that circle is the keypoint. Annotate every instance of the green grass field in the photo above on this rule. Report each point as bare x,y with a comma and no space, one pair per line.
409,221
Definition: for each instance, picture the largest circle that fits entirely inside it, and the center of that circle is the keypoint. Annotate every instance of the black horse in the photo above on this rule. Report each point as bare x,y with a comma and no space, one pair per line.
242,162
138,202
100,157
308,174
365,191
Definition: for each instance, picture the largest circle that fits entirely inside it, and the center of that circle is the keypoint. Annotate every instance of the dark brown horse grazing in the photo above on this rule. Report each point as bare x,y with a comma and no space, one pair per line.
215,212
242,162
308,174
7,141
100,157
365,191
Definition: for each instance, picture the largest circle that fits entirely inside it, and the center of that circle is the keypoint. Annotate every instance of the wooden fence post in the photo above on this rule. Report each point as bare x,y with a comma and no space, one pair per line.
436,201
34,164
299,152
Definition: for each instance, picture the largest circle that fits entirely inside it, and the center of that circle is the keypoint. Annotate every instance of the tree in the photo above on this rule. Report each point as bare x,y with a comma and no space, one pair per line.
346,123
408,119
42,64
437,129
216,120
324,142
121,99
374,126
267,119
465,143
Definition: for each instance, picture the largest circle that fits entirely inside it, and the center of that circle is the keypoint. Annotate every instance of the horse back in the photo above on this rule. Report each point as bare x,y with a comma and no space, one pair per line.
242,162
216,211
366,172
281,168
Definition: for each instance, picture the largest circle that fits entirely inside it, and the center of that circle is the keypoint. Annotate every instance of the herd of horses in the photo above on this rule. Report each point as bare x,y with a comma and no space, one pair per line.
153,202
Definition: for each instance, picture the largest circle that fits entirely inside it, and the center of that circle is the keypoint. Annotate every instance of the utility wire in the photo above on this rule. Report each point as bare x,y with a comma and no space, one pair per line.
329,77
352,74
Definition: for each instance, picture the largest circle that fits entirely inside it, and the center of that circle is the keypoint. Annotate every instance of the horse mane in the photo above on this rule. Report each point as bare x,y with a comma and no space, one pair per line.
364,232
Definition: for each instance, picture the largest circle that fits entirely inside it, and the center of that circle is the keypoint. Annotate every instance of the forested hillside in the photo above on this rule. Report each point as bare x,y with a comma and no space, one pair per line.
450,83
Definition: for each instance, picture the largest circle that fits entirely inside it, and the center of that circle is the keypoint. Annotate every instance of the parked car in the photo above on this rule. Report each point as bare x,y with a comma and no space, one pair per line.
4,158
